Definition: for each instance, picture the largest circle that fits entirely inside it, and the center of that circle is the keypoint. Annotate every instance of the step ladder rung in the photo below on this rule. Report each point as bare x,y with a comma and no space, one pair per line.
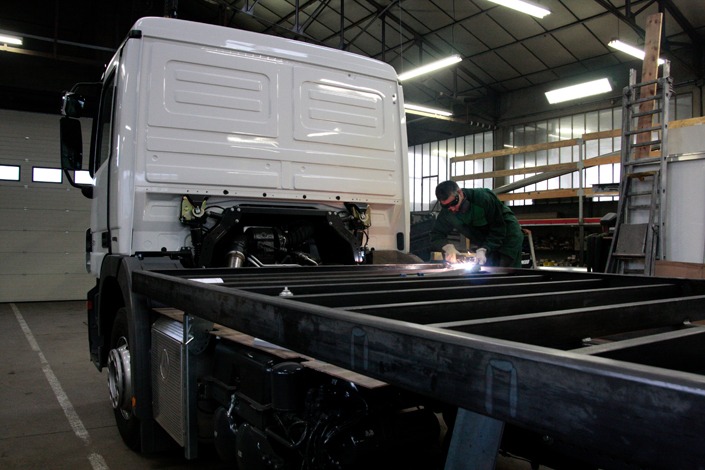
642,162
637,194
647,113
643,130
638,86
629,255
641,174
634,271
655,97
645,144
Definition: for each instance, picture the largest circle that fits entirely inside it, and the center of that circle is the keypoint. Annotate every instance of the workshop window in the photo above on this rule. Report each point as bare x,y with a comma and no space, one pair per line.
470,145
559,129
430,163
46,175
9,172
83,177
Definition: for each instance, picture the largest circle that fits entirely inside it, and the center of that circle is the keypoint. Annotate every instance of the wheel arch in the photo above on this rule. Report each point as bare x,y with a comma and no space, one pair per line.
111,300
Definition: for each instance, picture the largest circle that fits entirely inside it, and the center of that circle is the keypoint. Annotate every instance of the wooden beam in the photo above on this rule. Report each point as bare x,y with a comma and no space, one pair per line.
553,194
516,150
649,72
590,162
696,121
614,157
538,147
517,171
603,134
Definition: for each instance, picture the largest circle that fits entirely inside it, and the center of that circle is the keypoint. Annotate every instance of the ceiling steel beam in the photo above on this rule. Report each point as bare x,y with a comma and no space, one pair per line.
683,22
301,28
380,14
628,20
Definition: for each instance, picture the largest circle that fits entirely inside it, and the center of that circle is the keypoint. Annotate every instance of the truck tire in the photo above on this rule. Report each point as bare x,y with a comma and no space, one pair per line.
120,382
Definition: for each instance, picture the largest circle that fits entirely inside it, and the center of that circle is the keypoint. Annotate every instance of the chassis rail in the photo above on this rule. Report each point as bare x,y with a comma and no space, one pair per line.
609,364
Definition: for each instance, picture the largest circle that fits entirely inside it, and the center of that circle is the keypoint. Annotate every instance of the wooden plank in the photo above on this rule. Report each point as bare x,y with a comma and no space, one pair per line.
590,162
696,121
603,134
649,72
536,147
562,221
553,194
606,159
517,171
516,150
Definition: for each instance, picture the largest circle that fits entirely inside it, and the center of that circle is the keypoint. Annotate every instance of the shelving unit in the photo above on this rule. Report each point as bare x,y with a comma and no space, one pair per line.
560,241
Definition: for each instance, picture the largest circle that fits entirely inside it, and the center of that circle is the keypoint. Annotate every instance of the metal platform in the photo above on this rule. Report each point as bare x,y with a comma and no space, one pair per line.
609,364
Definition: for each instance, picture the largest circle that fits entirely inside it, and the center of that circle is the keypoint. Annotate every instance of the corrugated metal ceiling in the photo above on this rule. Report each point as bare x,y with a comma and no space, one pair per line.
503,51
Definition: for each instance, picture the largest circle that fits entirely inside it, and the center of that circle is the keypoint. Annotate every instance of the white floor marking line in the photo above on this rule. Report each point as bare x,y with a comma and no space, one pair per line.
97,461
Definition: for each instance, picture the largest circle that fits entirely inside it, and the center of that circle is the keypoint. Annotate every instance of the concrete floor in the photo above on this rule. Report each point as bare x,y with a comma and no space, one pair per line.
54,407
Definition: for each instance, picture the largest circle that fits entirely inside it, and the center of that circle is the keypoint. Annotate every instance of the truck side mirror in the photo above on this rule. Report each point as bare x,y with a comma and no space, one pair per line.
72,104
71,144
72,152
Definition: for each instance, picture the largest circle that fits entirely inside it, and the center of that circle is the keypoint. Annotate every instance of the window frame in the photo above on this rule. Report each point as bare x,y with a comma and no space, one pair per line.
19,173
58,170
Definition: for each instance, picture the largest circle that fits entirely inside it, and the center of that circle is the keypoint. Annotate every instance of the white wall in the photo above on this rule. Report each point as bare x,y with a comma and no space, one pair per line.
42,225
685,195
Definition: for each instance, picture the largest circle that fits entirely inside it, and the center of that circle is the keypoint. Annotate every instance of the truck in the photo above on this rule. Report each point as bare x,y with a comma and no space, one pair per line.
255,294
213,147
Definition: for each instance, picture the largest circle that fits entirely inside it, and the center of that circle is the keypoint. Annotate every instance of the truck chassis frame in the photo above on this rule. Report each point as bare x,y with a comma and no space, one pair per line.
610,365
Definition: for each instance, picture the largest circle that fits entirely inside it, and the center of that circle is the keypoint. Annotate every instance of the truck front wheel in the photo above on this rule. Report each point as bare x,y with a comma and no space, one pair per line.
120,381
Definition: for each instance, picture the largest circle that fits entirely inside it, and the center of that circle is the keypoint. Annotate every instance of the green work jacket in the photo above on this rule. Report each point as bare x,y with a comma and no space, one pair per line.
488,223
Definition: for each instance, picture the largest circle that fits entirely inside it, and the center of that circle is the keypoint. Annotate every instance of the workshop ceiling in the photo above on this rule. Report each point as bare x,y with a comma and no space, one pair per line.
504,52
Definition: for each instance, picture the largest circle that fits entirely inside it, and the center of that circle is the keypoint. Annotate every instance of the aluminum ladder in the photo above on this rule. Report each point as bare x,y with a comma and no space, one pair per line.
640,226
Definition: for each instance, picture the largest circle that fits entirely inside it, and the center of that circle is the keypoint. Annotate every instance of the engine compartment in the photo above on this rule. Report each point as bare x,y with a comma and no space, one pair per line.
247,234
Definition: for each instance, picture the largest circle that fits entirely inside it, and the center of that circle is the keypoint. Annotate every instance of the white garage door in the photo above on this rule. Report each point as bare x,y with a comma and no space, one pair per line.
42,225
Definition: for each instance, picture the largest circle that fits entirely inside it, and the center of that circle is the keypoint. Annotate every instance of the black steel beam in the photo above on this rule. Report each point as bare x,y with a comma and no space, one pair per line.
475,312
346,280
599,404
296,272
356,284
328,278
566,329
676,350
391,297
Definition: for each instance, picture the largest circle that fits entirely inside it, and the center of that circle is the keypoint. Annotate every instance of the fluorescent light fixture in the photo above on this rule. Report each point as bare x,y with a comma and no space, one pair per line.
433,66
425,110
8,39
580,90
524,7
629,49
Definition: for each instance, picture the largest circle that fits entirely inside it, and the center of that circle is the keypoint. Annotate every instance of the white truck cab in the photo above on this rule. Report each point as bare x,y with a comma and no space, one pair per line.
233,148
217,148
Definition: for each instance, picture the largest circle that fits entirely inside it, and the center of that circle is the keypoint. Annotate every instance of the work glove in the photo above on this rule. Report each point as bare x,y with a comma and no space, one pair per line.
451,254
481,256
